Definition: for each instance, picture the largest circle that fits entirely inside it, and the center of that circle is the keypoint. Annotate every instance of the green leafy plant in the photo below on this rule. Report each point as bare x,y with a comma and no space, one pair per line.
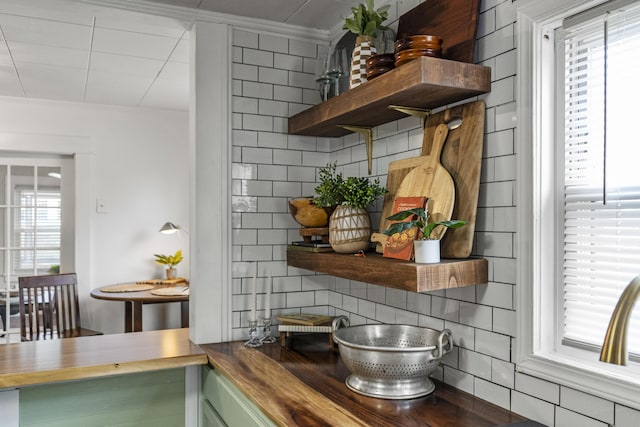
356,192
366,20
420,221
169,260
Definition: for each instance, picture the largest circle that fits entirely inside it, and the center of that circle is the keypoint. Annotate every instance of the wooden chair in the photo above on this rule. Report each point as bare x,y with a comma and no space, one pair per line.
49,307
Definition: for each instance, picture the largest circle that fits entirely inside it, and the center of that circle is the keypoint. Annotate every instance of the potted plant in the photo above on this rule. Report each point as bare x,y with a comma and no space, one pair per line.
350,224
170,261
427,249
364,22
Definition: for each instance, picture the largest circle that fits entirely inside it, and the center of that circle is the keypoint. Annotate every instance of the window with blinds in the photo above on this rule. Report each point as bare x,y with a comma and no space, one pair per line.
601,245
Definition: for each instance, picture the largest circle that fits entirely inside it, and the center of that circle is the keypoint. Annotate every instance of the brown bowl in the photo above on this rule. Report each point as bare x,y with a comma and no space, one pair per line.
419,42
375,72
305,212
381,59
407,55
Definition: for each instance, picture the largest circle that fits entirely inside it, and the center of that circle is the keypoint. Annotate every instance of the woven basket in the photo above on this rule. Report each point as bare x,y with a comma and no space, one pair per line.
349,230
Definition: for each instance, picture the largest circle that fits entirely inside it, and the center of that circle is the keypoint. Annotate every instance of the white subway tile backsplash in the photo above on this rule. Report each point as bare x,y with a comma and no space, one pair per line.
587,404
301,142
505,116
493,393
496,345
287,62
295,173
302,48
268,107
257,57
244,72
257,155
286,93
432,322
358,289
366,309
478,316
256,253
274,237
272,204
236,122
257,90
236,88
280,124
284,221
503,373
245,38
311,96
505,219
532,408
466,293
505,65
258,123
311,158
499,144
287,189
376,293
272,75
271,139
505,14
244,138
567,418
385,314
272,173
458,379
273,43
498,42
494,244
446,309
626,417
245,105
244,204
506,168
302,80
396,298
314,283
244,237
504,321
406,318
486,23
300,299
419,303
496,295
538,388
257,220
474,363
236,54
502,92
494,194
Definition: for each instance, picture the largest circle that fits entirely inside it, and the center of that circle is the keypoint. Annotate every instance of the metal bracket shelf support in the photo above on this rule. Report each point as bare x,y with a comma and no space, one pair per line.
421,113
367,133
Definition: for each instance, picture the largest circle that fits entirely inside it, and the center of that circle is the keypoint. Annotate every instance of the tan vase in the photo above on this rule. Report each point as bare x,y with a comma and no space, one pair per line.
172,273
349,230
363,49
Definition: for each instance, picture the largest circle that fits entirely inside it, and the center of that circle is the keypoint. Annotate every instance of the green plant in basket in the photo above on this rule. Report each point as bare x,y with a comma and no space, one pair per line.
169,260
366,19
334,190
420,221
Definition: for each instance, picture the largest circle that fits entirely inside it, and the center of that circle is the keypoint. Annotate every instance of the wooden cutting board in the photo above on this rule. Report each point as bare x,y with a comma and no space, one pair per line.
429,178
462,157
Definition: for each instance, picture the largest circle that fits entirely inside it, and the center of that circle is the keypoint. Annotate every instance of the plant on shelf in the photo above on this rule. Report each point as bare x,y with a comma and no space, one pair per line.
349,225
170,261
366,19
427,249
364,22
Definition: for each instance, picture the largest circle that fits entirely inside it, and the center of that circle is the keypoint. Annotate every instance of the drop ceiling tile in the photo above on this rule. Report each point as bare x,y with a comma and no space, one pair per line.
52,82
133,44
48,55
322,14
125,65
9,84
181,52
271,10
45,32
175,71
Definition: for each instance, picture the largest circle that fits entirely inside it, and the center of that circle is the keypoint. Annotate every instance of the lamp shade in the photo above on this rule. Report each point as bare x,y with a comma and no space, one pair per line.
169,228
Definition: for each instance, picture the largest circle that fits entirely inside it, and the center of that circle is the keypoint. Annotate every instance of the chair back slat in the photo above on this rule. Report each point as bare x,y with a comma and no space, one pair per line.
49,306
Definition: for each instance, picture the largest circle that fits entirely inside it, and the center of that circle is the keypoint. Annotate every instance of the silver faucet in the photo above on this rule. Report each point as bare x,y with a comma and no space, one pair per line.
614,348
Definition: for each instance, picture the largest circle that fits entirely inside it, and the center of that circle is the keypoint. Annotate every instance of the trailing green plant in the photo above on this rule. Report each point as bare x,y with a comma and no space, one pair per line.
366,19
356,192
420,221
169,260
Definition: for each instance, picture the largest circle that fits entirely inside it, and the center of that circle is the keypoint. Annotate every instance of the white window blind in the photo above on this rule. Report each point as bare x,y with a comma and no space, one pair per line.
601,247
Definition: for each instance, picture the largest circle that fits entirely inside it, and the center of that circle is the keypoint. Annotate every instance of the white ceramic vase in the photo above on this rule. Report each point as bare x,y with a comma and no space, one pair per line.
426,251
172,273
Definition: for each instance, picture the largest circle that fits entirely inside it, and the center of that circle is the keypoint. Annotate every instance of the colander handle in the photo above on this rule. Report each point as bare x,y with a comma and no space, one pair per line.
339,322
443,348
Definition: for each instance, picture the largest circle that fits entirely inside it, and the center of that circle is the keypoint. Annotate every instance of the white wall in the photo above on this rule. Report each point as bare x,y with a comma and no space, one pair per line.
139,167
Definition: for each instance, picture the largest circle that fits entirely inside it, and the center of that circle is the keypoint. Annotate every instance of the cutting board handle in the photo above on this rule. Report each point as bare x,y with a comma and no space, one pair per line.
439,138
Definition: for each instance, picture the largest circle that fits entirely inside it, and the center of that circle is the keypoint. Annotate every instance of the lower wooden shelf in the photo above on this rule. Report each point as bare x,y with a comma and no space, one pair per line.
393,273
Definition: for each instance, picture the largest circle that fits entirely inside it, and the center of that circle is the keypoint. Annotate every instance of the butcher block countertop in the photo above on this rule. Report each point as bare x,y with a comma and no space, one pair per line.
39,362
304,386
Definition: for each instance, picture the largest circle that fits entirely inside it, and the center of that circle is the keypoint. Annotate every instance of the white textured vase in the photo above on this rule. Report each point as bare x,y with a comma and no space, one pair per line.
426,251
349,230
363,49
172,273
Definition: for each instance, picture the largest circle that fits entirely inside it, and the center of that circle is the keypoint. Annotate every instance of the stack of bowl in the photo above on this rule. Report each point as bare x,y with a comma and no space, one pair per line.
379,64
415,46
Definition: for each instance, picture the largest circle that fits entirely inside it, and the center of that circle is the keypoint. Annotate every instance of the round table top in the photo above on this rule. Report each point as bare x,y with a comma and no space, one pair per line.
137,296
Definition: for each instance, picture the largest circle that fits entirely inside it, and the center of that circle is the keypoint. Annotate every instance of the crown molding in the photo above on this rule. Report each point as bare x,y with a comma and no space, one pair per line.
187,16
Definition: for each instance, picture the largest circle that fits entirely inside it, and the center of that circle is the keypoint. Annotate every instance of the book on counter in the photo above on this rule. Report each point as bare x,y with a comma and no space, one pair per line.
305,319
400,245
312,246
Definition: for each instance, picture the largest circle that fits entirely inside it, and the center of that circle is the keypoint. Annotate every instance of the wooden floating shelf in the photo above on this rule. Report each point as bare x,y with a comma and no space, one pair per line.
393,273
425,83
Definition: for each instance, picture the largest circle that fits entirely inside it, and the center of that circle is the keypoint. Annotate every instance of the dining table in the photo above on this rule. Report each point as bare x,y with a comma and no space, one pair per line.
135,295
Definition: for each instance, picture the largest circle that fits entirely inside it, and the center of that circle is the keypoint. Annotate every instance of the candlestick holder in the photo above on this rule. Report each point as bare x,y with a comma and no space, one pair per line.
254,339
266,331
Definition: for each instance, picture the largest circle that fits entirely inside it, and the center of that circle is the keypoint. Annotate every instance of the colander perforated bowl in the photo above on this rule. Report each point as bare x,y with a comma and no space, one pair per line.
391,361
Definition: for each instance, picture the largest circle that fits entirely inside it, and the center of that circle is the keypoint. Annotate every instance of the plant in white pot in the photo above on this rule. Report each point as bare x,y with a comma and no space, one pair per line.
426,249
350,224
170,261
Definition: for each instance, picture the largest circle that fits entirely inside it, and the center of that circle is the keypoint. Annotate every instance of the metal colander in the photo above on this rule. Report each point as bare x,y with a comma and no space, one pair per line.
391,361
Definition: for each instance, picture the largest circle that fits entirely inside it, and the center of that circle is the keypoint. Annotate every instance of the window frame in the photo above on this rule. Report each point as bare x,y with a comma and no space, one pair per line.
536,354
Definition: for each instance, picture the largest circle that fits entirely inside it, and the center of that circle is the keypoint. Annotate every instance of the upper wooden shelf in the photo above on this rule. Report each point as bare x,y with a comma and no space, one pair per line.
422,83
393,273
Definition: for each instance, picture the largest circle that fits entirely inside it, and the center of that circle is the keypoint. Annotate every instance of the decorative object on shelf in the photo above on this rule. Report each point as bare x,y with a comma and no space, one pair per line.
379,64
267,337
306,213
170,261
425,227
254,338
350,224
305,323
364,22
391,361
416,46
400,245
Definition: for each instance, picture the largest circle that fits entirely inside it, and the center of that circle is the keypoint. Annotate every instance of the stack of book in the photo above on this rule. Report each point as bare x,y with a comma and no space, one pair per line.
307,323
311,246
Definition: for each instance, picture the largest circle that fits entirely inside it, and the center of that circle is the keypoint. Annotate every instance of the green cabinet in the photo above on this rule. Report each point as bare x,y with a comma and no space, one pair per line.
223,404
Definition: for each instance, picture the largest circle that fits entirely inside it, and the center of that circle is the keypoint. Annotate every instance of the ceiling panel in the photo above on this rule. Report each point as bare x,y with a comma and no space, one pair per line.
52,82
39,54
271,10
45,32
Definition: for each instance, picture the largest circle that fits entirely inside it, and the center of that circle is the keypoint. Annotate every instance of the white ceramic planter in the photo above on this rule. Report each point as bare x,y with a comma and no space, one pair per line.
349,230
426,251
